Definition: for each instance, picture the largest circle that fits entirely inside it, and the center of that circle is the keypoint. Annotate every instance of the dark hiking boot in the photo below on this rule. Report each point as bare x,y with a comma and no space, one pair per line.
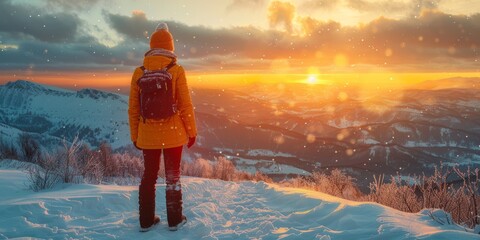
146,200
156,220
179,225
174,207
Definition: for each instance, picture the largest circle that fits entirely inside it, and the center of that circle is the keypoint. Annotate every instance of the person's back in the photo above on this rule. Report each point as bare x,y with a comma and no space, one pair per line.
167,135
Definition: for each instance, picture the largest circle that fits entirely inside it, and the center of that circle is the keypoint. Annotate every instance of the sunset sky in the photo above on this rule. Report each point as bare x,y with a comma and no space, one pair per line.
100,42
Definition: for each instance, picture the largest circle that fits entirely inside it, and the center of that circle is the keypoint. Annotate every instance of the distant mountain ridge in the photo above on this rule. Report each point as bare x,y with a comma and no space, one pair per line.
60,113
450,83
97,94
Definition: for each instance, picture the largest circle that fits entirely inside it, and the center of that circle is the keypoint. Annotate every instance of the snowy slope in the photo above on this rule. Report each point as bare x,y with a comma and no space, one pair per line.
215,209
92,114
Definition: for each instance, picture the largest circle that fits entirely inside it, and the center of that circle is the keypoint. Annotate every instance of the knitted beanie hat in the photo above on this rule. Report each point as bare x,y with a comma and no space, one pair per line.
162,38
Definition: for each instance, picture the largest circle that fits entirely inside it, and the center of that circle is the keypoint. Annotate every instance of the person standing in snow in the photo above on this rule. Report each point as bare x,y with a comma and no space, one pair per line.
164,135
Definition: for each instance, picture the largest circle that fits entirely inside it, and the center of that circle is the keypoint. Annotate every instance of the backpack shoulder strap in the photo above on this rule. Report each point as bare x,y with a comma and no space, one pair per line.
170,65
143,71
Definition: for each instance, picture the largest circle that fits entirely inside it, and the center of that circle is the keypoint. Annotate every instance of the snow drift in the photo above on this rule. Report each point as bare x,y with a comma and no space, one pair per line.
216,210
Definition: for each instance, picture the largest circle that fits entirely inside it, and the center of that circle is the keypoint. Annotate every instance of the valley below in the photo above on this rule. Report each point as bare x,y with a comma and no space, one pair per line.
283,130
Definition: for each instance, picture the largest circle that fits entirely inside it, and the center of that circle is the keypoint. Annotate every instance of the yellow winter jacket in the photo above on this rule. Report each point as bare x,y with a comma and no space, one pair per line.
166,133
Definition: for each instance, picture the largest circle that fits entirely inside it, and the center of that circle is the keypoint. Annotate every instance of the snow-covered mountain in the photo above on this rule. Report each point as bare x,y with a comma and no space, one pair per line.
56,113
280,129
215,210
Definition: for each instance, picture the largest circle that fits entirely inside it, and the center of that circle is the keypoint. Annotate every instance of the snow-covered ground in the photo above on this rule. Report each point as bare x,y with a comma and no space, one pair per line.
215,209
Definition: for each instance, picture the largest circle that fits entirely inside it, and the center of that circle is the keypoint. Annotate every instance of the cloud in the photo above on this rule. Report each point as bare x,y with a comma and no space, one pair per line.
379,6
281,13
23,20
427,4
70,5
418,6
413,7
390,7
311,5
430,41
86,54
245,4
190,41
431,38
137,27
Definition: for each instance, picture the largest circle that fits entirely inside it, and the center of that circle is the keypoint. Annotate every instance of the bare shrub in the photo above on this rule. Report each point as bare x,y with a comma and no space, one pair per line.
259,176
88,165
124,169
198,168
335,183
471,197
29,147
68,160
45,175
242,176
8,151
125,165
395,194
224,169
298,182
105,157
438,191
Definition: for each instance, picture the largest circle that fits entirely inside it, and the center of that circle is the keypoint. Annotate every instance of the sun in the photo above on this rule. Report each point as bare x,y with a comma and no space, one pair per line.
312,79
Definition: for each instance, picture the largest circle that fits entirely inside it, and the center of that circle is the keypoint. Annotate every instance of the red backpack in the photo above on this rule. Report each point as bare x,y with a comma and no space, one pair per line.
156,93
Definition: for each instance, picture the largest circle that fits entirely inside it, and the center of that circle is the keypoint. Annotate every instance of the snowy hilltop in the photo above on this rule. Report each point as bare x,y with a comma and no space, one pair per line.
216,210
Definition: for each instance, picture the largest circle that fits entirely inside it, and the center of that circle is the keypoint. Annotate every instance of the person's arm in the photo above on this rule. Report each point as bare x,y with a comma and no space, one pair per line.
185,106
134,106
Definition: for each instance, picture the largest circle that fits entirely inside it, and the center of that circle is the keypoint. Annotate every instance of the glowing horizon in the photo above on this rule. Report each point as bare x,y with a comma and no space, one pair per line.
378,80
